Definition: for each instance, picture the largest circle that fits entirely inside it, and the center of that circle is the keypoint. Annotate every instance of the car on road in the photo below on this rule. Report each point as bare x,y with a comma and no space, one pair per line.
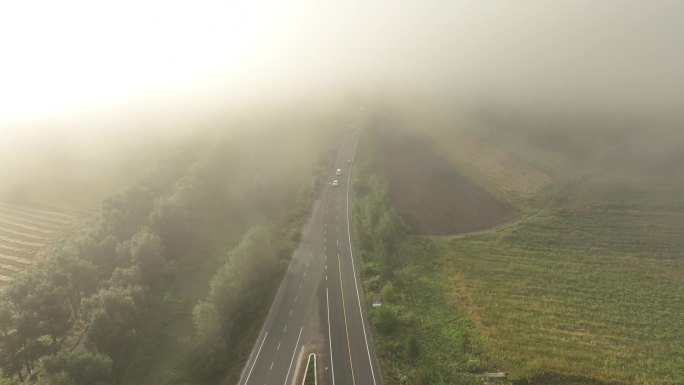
336,183
338,172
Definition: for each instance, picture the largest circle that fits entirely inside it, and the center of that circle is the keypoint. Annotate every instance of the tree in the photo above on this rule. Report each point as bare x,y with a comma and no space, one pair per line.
76,368
99,248
11,361
207,321
386,319
171,220
114,315
49,304
125,278
235,288
208,355
146,250
37,309
126,211
75,275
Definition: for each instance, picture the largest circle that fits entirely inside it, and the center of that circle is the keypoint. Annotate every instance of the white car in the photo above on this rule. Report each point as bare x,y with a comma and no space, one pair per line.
336,183
338,172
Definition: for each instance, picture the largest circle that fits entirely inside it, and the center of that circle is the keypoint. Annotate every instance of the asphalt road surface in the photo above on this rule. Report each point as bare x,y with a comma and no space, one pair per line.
322,272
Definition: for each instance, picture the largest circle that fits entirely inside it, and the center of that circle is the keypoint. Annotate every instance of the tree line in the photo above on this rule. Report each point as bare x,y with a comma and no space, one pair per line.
115,270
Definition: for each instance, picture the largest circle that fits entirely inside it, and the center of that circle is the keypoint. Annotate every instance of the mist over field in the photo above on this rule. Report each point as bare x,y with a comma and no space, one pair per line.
91,91
504,178
611,56
592,78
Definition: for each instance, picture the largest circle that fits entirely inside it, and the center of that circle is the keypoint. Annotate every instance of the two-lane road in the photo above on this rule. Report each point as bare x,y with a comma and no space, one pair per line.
351,354
323,264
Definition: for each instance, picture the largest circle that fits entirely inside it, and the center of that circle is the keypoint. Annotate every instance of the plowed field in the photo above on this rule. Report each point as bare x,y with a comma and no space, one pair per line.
430,195
25,234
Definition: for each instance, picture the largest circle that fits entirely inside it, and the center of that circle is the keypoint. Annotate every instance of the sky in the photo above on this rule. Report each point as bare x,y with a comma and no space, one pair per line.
76,57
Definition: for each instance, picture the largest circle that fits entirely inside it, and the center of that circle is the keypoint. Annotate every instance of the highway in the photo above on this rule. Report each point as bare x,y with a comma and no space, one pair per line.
321,278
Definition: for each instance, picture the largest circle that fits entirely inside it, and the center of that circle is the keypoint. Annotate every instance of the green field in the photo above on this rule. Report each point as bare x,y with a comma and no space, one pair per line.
591,288
585,287
420,336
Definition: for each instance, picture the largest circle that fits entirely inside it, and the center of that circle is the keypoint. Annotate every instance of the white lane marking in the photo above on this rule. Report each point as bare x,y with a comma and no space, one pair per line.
356,285
332,365
256,358
293,355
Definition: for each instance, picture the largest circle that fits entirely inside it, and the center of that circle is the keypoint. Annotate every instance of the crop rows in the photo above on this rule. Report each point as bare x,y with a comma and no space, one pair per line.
25,234
595,289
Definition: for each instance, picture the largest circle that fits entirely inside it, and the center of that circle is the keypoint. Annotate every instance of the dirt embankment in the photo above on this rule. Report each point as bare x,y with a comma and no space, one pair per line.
431,196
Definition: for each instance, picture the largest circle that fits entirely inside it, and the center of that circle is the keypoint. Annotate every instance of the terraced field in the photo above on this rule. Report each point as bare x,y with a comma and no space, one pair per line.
26,234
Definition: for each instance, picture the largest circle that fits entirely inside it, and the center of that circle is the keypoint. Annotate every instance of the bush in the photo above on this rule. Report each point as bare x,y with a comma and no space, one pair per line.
385,319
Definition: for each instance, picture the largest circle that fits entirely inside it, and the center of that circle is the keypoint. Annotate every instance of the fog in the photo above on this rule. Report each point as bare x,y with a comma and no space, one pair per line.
80,71
140,140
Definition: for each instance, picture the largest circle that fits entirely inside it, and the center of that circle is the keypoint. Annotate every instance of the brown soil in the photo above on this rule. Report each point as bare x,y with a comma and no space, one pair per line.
430,195
27,233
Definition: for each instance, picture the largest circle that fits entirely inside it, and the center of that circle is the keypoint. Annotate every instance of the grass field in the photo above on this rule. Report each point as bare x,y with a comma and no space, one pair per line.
420,336
586,287
26,233
591,289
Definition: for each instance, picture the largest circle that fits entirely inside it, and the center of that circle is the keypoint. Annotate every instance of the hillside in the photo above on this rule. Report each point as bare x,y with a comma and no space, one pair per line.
585,287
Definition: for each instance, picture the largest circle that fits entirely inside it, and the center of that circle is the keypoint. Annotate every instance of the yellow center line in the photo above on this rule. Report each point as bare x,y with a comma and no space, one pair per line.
344,312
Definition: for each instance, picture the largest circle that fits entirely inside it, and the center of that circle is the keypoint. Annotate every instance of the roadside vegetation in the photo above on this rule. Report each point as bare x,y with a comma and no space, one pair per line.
130,297
310,378
420,336
585,287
